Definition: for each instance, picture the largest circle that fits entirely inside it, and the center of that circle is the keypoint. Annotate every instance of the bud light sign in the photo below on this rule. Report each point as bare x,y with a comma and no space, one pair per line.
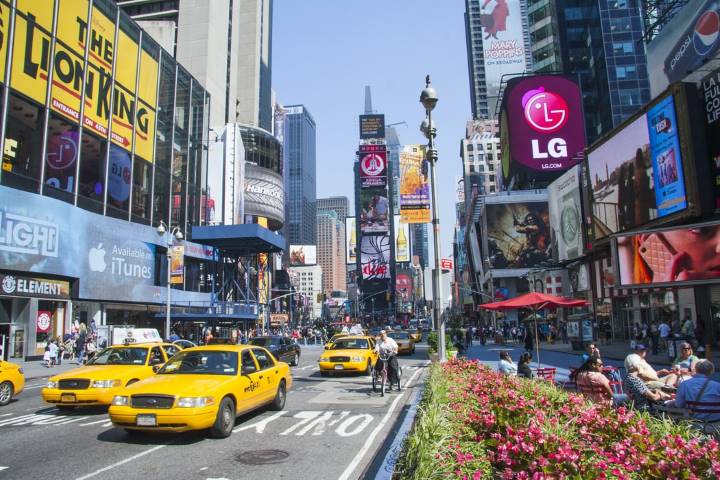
544,123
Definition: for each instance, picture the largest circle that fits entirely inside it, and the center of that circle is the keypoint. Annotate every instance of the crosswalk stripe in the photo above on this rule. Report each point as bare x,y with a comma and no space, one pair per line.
5,414
108,424
104,420
3,468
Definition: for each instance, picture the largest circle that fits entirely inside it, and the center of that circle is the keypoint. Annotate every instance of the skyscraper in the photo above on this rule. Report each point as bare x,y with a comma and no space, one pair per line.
340,205
331,250
498,43
227,44
300,159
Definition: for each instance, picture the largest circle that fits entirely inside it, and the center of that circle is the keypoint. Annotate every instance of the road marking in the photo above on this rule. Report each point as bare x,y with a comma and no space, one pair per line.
306,367
33,386
260,426
343,414
107,424
122,462
342,430
306,417
5,414
93,423
3,468
371,438
318,424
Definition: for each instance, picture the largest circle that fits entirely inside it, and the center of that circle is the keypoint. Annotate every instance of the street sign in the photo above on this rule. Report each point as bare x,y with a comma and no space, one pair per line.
446,264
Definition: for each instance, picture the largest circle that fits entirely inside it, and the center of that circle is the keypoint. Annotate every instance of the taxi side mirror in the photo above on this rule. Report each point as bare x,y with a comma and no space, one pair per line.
156,367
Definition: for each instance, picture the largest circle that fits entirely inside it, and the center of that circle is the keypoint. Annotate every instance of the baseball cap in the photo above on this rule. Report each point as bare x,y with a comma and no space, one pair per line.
639,346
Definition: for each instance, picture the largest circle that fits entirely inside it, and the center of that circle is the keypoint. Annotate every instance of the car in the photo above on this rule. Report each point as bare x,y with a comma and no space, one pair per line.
115,367
374,332
282,348
405,343
203,388
352,353
330,342
12,381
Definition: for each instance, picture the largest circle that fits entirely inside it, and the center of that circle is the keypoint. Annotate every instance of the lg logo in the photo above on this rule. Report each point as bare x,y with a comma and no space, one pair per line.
546,112
372,164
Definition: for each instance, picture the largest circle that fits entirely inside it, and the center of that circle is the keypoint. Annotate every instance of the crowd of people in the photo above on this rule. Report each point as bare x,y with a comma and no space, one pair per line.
78,346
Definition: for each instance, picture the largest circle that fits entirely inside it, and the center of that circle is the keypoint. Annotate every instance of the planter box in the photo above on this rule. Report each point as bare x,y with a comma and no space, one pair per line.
434,357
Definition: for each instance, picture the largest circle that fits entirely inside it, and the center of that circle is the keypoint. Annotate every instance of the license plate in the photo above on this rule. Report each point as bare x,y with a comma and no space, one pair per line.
68,397
146,421
339,367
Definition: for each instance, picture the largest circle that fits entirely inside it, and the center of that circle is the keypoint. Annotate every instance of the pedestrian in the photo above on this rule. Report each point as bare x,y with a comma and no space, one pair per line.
655,337
664,330
61,350
90,348
53,349
80,343
688,329
523,368
46,356
506,364
528,340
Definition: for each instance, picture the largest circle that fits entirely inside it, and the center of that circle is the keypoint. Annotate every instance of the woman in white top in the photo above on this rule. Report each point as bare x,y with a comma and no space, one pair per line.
506,364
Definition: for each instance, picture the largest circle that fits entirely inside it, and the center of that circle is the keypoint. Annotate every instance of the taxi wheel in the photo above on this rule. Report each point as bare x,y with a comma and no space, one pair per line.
279,402
368,369
6,392
225,420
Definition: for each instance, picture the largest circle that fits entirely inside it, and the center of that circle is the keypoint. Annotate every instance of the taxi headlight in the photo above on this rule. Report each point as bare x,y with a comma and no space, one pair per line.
120,401
357,359
52,384
105,383
194,402
324,359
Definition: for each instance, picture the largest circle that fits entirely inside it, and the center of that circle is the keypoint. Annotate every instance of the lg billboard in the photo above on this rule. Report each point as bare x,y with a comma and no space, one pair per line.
542,129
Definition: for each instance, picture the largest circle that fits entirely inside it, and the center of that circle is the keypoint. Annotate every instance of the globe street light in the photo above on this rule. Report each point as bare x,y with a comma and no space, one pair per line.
174,233
429,98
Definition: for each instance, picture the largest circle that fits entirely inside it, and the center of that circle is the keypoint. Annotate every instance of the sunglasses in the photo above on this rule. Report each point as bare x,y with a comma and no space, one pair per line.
686,348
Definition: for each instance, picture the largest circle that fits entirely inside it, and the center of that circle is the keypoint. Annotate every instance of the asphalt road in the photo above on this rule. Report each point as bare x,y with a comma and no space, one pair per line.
331,428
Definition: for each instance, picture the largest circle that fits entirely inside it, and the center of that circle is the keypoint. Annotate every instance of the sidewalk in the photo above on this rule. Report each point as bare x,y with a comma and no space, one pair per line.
35,369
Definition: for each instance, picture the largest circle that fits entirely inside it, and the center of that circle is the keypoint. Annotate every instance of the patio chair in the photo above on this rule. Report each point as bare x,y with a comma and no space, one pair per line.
546,373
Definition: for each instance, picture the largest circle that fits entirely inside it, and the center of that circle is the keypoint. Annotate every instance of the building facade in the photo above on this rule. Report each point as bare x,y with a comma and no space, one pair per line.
331,251
481,154
99,149
308,280
299,154
339,205
544,36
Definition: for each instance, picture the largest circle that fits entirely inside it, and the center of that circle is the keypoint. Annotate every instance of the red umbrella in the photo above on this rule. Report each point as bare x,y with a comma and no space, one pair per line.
534,301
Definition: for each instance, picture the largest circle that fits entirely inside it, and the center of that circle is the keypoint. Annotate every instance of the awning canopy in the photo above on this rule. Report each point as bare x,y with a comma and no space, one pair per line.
534,301
245,239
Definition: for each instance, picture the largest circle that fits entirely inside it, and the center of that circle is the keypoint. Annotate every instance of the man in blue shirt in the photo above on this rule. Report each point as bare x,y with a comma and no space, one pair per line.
696,390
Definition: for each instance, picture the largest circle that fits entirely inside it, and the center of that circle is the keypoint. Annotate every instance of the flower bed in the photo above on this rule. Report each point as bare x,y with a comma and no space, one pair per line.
475,423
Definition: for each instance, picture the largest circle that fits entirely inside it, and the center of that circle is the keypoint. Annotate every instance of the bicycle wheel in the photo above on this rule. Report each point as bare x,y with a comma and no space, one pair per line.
383,380
374,380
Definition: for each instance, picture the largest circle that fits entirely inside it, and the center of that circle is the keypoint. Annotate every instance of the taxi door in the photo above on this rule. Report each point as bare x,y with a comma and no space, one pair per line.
156,357
373,353
248,391
269,372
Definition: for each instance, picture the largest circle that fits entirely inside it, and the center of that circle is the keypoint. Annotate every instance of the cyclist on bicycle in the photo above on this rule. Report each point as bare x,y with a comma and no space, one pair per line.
387,347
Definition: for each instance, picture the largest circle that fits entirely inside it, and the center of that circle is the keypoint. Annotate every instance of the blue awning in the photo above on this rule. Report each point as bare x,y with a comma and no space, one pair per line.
245,239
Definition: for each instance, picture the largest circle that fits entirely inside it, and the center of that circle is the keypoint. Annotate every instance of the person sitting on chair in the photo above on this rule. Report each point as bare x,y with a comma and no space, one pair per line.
700,388
653,379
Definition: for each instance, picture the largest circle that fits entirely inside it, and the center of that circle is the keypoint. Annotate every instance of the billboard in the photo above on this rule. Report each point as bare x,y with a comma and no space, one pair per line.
402,240
373,169
414,185
566,215
542,124
372,126
685,44
636,175
404,285
350,241
301,255
683,254
374,210
518,234
710,94
177,265
503,44
375,257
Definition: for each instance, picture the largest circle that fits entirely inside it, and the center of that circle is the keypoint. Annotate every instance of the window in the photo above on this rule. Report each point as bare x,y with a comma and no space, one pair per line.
491,178
492,188
163,142
263,359
491,167
21,162
142,187
626,72
623,48
61,159
161,196
621,24
248,363
472,168
629,97
91,184
118,197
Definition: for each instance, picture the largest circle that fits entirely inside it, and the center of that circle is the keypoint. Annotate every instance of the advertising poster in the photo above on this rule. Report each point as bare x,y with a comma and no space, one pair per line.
351,241
44,321
177,265
147,103
374,210
669,256
414,185
301,255
4,35
542,123
503,44
402,240
375,257
28,50
710,93
666,158
372,126
373,169
636,176
566,215
404,285
684,44
518,234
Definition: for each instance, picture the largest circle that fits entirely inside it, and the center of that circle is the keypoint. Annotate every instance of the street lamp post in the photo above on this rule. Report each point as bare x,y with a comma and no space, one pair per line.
429,98
176,233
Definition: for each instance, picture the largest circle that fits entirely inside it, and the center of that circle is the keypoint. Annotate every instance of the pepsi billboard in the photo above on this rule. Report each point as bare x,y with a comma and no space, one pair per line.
687,42
542,129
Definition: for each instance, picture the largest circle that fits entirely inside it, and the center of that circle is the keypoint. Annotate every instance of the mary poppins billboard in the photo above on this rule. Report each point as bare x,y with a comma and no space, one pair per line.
542,128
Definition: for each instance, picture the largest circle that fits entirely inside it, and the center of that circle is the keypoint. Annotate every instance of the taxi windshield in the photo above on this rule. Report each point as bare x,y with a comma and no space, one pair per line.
350,343
120,356
398,335
202,362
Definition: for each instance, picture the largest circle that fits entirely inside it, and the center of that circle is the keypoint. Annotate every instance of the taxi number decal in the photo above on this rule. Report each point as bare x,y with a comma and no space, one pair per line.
253,386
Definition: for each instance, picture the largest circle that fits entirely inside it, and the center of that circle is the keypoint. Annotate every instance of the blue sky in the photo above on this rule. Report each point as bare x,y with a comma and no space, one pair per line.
326,51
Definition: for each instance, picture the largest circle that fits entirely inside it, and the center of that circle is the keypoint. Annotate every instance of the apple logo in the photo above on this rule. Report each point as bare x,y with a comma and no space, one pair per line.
96,258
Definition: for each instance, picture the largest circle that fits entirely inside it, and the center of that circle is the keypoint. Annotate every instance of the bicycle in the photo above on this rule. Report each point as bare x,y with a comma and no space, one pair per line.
382,376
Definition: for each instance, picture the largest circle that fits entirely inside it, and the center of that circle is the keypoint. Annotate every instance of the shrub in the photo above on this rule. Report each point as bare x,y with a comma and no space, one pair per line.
432,340
475,423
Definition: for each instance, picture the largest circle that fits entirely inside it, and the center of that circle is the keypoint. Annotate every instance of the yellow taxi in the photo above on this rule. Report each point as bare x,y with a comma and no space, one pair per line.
416,335
203,388
12,381
353,353
405,343
97,382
